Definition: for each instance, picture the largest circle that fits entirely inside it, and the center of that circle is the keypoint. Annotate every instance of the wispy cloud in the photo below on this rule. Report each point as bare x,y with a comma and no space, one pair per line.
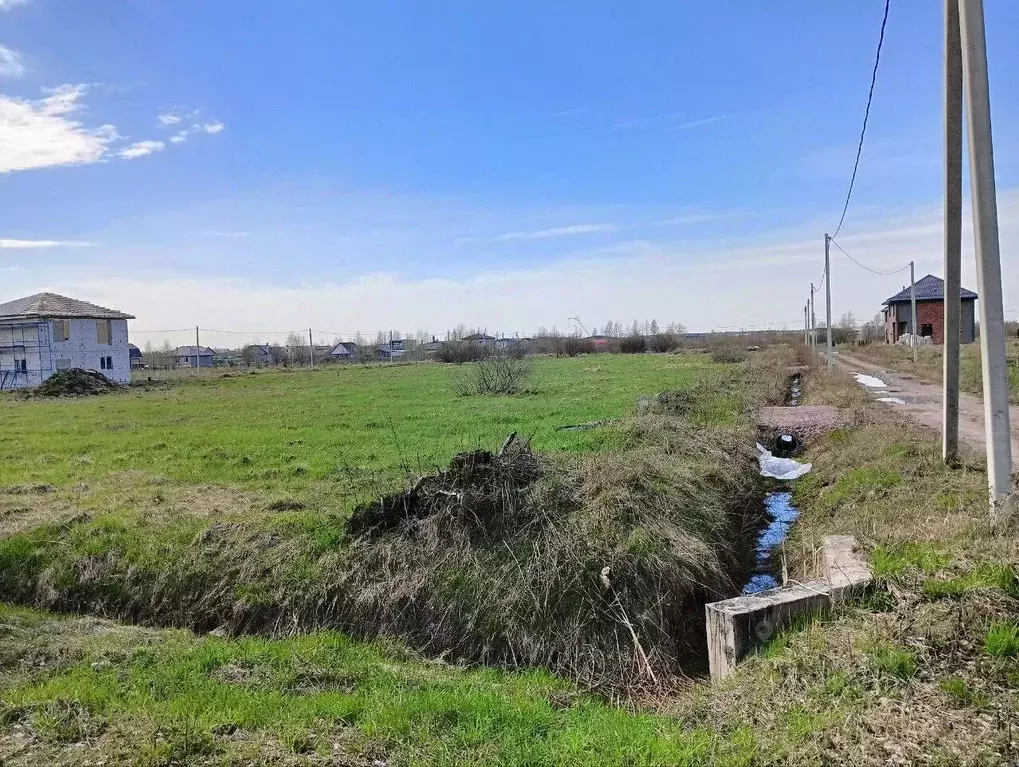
697,123
6,5
543,234
10,244
10,63
170,118
141,149
213,127
43,133
670,121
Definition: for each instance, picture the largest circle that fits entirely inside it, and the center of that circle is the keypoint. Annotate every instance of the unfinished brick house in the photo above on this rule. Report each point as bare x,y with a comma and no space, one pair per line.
930,312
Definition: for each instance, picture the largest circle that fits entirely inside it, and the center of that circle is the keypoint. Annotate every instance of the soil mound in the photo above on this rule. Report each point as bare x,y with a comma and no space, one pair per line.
76,383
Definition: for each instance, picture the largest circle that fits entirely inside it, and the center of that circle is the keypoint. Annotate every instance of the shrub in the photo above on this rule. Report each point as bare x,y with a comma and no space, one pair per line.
499,374
459,352
633,345
729,354
665,342
571,346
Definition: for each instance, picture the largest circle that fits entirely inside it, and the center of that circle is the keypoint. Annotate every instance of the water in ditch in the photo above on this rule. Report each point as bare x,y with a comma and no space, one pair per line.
781,515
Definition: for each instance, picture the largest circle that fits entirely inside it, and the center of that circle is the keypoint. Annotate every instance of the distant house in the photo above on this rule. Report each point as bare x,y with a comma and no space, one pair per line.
257,354
392,350
598,341
930,312
43,333
135,356
344,350
430,347
481,339
194,356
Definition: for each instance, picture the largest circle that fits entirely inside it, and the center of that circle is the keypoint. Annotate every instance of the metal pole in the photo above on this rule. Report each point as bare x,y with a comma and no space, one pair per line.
912,301
953,231
198,350
985,234
827,299
311,348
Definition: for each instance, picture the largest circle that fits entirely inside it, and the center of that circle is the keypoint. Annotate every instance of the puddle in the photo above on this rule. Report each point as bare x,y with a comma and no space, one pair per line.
782,514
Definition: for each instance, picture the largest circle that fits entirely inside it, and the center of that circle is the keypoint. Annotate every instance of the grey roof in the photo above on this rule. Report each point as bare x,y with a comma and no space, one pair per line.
930,288
51,305
189,351
479,337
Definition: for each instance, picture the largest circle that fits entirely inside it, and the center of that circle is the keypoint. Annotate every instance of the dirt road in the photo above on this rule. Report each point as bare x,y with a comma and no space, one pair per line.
921,401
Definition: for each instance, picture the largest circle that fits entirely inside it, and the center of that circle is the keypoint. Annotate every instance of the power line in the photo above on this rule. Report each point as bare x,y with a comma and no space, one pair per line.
866,116
864,266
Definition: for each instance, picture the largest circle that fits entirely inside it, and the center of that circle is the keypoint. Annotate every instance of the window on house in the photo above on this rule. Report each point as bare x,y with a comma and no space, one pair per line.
61,330
106,363
902,328
927,330
104,331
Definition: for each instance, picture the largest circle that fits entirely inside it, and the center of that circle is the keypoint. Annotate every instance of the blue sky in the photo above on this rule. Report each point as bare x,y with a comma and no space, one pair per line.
356,166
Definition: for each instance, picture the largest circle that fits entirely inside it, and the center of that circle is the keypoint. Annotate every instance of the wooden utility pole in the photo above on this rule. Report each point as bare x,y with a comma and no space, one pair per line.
827,298
198,352
977,99
311,348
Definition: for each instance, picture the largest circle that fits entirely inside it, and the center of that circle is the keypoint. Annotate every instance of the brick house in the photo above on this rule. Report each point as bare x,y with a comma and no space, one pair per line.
930,312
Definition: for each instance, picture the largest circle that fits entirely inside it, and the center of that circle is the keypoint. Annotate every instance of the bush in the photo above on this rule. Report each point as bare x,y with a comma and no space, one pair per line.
665,342
729,354
571,346
501,374
459,352
633,345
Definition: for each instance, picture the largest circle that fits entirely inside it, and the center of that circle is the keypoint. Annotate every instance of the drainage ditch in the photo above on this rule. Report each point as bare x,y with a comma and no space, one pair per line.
781,514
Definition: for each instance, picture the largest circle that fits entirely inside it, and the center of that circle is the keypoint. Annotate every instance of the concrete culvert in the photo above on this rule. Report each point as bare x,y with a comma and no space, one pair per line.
785,445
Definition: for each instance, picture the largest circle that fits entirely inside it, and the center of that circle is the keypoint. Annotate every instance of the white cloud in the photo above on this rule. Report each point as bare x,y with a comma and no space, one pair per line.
213,127
180,138
10,244
141,149
170,119
10,63
543,234
6,5
43,133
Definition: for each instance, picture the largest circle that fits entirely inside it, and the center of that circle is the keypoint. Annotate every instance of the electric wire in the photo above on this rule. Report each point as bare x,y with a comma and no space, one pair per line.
866,116
864,266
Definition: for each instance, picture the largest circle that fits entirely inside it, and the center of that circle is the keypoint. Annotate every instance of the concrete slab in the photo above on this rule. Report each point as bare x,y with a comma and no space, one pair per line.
736,626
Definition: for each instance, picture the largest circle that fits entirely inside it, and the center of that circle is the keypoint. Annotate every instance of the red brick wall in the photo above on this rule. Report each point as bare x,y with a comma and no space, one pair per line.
933,313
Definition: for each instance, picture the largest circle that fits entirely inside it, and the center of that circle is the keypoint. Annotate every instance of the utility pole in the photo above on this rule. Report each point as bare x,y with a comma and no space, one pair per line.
912,301
813,321
198,352
953,232
806,326
827,298
988,257
311,348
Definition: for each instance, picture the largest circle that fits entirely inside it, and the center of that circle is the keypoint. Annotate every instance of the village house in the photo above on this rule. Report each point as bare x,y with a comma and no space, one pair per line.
194,357
344,351
930,312
43,333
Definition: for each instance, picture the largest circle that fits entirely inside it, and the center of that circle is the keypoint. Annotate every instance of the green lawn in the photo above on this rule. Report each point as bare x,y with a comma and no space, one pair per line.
295,430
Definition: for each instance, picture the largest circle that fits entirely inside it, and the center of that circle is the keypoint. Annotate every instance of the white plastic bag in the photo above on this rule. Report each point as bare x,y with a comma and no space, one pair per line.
780,468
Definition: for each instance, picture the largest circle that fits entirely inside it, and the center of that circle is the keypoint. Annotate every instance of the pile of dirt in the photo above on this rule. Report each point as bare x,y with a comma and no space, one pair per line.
478,489
805,422
76,383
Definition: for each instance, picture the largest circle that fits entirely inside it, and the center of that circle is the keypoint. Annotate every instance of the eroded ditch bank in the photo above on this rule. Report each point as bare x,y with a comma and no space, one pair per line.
594,566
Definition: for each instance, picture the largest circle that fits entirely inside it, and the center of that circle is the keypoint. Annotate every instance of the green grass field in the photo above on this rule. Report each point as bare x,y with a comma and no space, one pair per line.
327,429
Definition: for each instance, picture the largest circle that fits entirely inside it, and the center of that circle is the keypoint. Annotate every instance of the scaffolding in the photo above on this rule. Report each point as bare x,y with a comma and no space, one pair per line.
24,354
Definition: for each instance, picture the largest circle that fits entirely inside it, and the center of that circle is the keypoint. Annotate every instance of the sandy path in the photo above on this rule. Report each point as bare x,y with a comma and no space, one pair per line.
923,402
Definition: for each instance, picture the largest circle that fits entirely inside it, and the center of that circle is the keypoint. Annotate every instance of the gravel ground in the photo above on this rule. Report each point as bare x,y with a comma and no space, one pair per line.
805,422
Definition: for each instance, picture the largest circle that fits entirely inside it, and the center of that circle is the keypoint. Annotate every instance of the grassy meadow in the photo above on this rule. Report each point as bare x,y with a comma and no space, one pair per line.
327,430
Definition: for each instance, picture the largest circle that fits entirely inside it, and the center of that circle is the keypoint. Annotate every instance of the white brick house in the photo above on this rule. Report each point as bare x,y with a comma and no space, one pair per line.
44,333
